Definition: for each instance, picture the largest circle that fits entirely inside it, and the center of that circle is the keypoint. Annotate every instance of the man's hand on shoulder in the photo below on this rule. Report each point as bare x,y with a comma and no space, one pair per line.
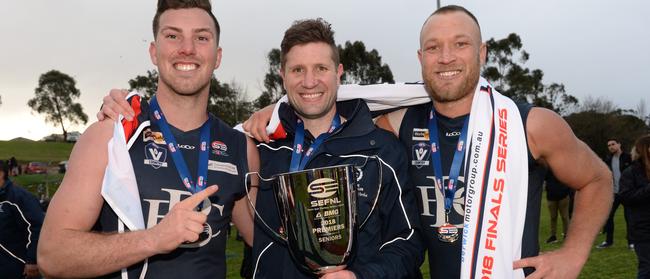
115,104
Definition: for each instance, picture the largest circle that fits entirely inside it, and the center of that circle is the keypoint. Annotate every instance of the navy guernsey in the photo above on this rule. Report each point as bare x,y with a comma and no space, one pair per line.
160,188
444,258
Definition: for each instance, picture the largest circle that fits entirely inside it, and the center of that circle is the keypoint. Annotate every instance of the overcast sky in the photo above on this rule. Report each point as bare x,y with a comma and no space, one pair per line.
595,48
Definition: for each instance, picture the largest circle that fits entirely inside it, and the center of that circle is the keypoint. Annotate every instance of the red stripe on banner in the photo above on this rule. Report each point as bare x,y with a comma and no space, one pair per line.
279,133
131,126
481,205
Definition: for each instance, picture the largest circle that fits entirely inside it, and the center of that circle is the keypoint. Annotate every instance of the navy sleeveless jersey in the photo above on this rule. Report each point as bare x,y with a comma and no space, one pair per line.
444,258
161,188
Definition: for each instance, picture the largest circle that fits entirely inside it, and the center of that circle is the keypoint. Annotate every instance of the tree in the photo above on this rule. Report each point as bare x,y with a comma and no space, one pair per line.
598,119
504,68
147,85
273,88
55,97
226,101
360,66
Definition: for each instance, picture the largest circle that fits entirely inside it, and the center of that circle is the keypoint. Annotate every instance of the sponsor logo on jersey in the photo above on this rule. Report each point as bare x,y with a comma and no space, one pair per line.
156,137
421,154
155,156
452,134
421,134
222,167
186,146
219,148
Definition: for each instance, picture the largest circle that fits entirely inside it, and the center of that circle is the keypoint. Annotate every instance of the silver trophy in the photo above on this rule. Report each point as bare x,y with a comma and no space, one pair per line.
318,215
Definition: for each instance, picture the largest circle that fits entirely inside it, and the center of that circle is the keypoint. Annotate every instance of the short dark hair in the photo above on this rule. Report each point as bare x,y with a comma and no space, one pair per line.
308,31
454,8
613,139
164,5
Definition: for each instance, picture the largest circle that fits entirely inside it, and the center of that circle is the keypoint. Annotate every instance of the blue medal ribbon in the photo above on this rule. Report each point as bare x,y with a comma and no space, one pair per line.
298,160
449,189
179,161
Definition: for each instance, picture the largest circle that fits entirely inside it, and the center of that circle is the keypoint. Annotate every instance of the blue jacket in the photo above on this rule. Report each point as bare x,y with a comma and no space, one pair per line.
21,218
389,245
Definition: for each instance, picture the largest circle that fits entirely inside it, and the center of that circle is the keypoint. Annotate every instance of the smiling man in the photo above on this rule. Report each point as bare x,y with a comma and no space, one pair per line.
321,133
176,149
477,159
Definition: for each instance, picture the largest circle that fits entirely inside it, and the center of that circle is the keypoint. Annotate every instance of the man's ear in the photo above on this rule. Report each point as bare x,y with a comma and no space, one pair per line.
152,53
218,62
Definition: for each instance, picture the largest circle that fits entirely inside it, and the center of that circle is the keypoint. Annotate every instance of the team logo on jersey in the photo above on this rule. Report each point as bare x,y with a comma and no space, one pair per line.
219,148
155,156
420,154
420,134
156,137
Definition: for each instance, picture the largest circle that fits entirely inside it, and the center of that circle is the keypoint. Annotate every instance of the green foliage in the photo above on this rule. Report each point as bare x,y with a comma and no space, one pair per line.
273,88
226,101
504,68
362,66
595,127
55,97
359,66
147,85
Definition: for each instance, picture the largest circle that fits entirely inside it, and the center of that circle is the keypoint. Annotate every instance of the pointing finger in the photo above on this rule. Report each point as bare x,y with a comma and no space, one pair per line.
197,198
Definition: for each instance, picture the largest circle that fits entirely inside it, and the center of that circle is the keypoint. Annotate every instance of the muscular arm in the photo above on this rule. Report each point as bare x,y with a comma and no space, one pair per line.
242,214
552,143
68,248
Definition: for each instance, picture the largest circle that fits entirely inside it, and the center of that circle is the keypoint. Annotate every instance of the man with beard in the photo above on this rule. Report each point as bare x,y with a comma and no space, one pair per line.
478,161
184,150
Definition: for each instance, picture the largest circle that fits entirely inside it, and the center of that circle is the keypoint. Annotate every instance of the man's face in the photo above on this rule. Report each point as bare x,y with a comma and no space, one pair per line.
451,55
311,79
185,51
613,146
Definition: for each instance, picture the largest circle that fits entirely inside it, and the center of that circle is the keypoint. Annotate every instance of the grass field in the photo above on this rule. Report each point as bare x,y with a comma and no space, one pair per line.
27,151
616,262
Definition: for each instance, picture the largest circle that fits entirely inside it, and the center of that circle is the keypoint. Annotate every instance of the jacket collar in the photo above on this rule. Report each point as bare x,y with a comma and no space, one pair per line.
358,119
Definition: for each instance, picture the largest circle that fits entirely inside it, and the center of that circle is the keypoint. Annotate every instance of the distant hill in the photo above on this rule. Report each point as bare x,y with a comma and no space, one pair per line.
20,139
27,151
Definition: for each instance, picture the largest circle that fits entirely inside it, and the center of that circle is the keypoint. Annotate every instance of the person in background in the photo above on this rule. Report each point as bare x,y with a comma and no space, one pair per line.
557,197
21,218
634,193
617,161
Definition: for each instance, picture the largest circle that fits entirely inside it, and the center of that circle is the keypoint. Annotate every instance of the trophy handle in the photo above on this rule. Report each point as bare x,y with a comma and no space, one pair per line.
374,203
250,202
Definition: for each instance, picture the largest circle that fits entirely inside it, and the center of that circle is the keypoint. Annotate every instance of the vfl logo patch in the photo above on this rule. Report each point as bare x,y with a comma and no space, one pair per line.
420,134
155,156
420,154
323,188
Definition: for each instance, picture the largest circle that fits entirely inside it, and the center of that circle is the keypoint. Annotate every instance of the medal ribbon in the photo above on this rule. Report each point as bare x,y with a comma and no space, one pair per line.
179,161
298,160
449,189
